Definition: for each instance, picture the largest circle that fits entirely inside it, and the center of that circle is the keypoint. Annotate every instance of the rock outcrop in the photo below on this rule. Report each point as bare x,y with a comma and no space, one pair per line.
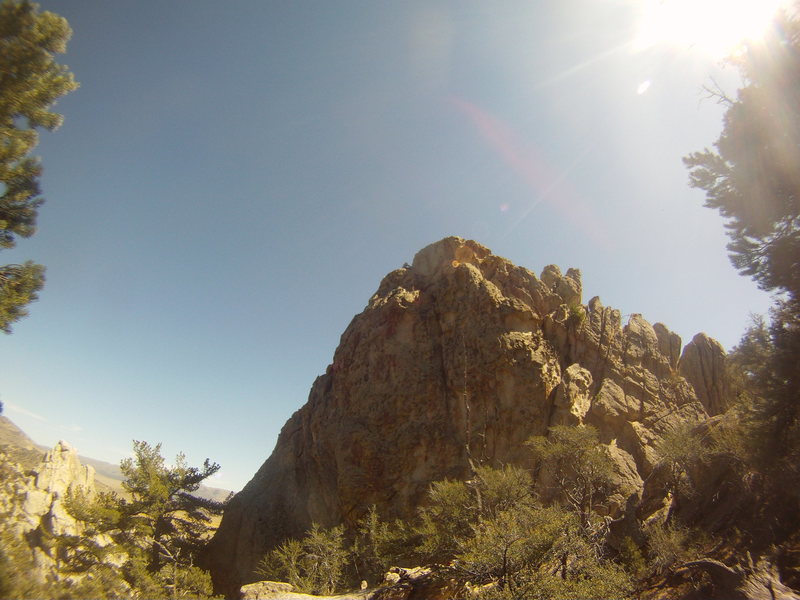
32,502
462,356
418,583
703,365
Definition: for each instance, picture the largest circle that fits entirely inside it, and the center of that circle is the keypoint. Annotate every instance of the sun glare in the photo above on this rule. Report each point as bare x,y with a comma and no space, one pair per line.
716,27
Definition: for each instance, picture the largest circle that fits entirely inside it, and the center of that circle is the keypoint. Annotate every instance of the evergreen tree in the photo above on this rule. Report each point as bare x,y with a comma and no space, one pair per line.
162,506
155,533
581,470
753,178
30,82
315,564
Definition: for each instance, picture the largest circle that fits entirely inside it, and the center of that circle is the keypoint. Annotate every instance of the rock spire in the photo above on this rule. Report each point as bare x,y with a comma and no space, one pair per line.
463,356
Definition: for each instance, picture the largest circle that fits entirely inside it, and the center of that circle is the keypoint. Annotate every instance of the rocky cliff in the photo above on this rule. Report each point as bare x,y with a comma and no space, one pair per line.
462,357
32,504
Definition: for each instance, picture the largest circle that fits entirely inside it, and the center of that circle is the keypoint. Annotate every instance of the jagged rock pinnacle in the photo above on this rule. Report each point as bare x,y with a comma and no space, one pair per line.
460,350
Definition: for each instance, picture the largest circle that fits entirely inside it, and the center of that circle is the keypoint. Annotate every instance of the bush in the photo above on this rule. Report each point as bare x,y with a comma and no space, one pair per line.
671,544
315,564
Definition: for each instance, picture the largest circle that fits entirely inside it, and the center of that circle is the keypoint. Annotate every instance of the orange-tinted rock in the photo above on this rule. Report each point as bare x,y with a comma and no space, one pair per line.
461,350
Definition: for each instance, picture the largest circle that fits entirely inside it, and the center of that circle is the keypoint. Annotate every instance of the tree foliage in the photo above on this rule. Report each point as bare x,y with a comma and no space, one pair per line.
751,176
314,564
491,531
30,82
379,545
766,363
154,533
163,507
581,470
682,450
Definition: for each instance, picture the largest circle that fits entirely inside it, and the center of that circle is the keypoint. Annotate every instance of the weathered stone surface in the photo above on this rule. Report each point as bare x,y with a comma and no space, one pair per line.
669,344
625,477
61,469
703,365
461,350
573,396
32,502
417,583
742,582
264,589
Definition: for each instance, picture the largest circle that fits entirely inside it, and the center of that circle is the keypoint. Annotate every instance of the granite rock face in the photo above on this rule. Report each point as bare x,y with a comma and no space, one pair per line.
461,356
703,365
32,502
36,499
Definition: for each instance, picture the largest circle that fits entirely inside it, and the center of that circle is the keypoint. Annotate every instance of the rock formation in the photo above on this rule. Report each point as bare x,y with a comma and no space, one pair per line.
462,357
418,583
32,502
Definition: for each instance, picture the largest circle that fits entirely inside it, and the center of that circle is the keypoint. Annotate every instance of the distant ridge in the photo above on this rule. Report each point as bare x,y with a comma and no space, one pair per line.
18,445
108,476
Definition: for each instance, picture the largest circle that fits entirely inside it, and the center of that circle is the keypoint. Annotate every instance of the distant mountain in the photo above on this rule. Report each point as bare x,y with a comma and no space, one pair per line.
11,435
108,476
18,445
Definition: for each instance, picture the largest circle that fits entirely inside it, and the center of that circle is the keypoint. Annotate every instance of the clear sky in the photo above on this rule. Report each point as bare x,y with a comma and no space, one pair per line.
233,180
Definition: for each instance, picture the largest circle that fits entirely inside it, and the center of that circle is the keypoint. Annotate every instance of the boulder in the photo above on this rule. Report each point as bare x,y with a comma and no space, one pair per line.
416,583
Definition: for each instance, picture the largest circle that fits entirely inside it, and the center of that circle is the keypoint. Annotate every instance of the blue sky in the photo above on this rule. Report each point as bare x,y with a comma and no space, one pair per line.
232,181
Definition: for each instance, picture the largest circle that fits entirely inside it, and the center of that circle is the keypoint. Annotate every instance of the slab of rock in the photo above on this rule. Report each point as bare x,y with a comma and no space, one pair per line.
749,582
264,589
417,583
33,503
461,350
703,365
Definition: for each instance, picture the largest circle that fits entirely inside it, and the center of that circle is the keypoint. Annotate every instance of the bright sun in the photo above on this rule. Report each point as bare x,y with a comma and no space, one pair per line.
716,27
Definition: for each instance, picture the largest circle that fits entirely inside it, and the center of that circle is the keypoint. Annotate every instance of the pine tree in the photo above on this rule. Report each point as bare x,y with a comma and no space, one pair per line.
157,531
163,507
752,176
30,82
581,469
315,564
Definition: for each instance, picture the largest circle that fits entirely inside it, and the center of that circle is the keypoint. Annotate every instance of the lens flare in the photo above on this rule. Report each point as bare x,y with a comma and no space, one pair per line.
716,27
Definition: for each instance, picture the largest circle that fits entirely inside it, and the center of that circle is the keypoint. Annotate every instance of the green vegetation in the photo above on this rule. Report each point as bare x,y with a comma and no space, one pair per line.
519,537
491,530
580,468
314,564
499,529
576,314
154,534
144,544
752,178
30,82
670,545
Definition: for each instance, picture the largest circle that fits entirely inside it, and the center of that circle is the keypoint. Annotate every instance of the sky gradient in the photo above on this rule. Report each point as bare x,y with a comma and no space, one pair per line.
233,180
